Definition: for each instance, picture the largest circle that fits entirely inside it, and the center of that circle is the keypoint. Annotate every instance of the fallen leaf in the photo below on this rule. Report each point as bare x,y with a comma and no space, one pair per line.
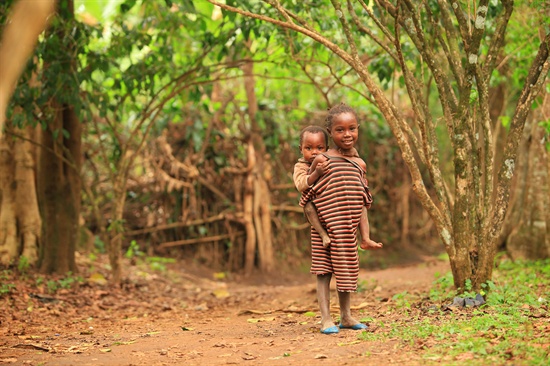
31,346
220,293
270,319
319,356
348,343
258,312
97,278
219,275
105,350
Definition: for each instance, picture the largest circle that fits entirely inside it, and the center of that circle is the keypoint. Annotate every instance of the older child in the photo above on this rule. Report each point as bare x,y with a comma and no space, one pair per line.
341,197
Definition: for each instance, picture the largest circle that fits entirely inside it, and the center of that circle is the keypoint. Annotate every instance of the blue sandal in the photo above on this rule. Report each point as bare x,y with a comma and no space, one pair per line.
358,326
330,330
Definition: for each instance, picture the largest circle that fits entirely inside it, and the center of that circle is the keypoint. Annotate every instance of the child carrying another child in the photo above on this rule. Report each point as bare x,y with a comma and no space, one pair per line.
337,186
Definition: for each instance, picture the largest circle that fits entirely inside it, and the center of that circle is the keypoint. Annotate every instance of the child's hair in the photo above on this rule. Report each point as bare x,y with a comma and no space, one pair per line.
336,111
314,129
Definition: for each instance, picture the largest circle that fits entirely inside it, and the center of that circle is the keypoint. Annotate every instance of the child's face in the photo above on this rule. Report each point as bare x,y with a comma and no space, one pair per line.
312,145
344,131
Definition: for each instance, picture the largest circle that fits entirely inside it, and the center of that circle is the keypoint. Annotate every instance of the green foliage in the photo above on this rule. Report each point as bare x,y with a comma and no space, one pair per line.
133,250
67,282
5,288
159,263
402,300
23,265
511,327
154,263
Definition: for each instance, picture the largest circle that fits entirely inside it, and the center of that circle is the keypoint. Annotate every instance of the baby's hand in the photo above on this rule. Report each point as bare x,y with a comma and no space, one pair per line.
368,244
322,168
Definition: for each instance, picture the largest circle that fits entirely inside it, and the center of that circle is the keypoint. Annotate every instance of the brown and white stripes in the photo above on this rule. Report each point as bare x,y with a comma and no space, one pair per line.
339,197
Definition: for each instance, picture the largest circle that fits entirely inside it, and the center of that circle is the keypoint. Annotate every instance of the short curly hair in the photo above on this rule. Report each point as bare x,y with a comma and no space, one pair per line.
337,110
314,129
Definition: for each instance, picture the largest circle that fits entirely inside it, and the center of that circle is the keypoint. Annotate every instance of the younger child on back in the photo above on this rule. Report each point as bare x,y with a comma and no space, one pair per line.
313,141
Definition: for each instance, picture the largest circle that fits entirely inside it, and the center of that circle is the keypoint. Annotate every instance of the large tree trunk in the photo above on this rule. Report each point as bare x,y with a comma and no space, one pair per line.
19,215
28,213
8,220
58,173
59,192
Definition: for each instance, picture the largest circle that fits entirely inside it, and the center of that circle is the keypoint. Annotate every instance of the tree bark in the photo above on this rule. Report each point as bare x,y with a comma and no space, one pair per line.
28,213
58,172
261,195
116,230
8,220
59,192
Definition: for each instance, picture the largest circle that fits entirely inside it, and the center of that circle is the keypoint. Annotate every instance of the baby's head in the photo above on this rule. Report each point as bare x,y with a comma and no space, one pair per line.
313,141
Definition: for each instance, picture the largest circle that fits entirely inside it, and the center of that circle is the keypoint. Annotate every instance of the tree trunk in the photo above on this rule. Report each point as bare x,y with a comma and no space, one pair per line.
8,221
248,208
59,192
261,195
529,237
116,229
28,213
19,215
58,173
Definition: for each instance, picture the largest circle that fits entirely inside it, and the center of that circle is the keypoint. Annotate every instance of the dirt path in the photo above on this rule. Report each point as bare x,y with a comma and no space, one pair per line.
193,320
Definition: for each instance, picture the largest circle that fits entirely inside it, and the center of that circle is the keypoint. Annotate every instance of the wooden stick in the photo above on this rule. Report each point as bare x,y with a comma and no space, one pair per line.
174,225
207,239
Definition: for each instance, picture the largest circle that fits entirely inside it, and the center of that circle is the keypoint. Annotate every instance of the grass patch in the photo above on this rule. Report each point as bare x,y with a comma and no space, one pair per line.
512,328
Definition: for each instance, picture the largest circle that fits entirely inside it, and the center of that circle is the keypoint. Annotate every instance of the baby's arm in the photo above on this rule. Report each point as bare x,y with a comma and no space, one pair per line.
318,168
300,177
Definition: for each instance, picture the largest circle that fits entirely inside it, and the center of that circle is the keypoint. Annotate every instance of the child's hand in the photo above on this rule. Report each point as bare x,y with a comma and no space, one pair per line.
368,244
322,168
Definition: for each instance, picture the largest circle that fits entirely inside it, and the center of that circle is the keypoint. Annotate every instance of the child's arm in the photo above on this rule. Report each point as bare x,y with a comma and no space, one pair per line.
364,230
318,168
300,177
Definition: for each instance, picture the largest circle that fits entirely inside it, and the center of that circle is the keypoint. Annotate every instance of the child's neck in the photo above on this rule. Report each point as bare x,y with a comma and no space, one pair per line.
348,152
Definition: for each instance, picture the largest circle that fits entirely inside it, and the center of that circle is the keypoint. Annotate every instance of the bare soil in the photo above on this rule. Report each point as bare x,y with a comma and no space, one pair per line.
191,317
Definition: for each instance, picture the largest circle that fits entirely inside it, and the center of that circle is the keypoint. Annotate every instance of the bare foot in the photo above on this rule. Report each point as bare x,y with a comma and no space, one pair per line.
326,240
348,322
369,244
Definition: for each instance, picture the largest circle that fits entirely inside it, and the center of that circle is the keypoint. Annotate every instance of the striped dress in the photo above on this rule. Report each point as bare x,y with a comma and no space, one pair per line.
339,197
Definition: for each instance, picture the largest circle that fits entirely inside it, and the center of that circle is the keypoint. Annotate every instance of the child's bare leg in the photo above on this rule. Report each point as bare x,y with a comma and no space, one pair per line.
364,229
311,214
323,297
346,320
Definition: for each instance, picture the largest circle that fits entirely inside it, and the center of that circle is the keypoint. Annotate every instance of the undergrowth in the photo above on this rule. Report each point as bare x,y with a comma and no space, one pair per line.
513,327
